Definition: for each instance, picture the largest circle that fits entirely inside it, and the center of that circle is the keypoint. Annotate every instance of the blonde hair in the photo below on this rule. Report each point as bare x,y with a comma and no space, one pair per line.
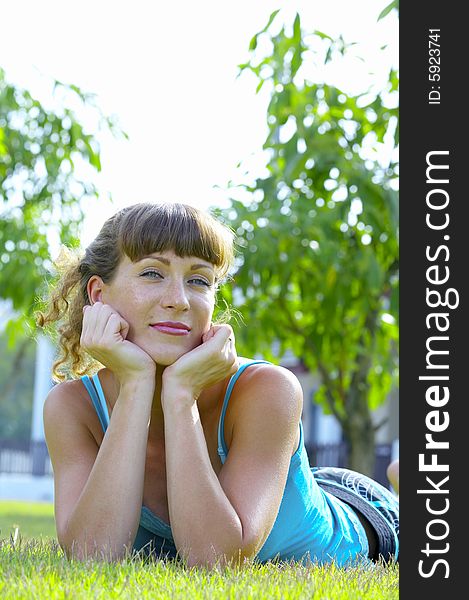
135,231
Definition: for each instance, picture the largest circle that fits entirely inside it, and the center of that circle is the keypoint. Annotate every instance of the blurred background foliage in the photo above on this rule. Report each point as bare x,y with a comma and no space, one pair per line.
47,160
318,234
42,150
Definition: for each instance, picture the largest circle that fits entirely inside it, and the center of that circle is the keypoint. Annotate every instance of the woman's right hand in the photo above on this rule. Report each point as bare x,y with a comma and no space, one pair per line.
103,336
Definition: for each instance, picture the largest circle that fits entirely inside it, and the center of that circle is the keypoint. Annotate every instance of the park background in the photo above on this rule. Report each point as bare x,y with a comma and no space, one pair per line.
290,135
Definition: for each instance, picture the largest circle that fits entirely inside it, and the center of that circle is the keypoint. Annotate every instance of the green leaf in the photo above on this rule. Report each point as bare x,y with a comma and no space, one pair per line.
259,85
270,21
253,43
322,35
388,9
297,29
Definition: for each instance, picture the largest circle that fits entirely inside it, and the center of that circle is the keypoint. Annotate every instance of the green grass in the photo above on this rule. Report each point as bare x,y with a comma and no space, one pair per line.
33,519
35,567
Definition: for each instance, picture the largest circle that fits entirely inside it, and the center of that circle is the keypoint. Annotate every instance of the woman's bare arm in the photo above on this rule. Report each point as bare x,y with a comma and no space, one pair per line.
98,491
228,517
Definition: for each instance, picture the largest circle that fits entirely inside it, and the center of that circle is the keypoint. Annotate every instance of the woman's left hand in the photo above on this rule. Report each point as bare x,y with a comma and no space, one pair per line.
203,366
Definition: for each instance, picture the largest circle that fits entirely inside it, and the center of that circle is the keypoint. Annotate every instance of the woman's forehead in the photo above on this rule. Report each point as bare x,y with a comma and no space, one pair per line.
169,257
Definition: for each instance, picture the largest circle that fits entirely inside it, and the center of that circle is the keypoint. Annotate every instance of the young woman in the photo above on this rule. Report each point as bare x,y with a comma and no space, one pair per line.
176,446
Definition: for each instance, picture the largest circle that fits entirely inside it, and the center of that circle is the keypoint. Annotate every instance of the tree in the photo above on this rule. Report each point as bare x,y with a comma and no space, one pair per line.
17,369
318,270
41,152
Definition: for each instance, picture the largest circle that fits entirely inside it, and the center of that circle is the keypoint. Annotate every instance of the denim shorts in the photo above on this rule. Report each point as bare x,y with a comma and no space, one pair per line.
376,503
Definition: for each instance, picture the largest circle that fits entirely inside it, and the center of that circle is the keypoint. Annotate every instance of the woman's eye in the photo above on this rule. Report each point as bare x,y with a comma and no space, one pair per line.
200,281
151,274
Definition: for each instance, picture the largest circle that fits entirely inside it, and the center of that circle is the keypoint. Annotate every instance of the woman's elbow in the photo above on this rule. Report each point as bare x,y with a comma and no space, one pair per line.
214,559
90,549
217,561
232,548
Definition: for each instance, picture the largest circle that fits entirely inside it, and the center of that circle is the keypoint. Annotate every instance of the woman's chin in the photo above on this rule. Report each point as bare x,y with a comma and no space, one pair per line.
164,362
167,354
165,359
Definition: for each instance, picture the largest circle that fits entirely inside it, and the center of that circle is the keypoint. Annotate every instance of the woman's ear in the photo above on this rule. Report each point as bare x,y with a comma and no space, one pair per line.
94,289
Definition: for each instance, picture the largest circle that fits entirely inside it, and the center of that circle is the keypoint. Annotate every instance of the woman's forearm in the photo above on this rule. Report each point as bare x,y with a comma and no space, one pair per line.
105,519
205,526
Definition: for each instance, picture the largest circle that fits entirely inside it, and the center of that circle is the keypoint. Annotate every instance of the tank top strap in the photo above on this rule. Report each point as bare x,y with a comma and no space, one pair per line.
222,449
95,390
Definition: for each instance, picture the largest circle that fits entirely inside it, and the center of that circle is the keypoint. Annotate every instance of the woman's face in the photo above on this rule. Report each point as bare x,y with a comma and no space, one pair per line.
167,301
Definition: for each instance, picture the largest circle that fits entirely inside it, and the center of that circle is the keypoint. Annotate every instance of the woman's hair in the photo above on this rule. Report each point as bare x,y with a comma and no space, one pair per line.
135,231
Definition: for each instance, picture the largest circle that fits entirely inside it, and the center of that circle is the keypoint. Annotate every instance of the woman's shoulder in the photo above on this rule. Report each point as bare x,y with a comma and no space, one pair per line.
269,394
269,384
69,400
65,392
258,369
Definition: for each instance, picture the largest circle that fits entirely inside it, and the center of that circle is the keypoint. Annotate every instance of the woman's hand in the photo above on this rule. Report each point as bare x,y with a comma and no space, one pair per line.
103,336
203,366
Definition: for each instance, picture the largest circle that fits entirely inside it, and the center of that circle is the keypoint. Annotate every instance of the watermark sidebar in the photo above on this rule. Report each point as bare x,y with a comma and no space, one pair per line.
434,239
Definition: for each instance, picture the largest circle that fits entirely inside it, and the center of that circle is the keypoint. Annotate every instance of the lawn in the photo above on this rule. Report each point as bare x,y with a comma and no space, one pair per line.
33,519
33,566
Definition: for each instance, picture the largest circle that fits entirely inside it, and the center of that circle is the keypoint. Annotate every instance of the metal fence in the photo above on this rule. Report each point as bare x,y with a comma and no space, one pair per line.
336,455
24,458
33,458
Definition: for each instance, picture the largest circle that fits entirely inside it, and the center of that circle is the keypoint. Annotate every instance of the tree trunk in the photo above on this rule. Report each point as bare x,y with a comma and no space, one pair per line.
361,439
358,428
359,433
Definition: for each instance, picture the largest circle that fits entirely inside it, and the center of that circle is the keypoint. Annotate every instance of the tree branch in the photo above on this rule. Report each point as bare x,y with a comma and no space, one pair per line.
380,424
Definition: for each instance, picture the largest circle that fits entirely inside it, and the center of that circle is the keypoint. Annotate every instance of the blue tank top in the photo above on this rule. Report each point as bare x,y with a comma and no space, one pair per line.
310,524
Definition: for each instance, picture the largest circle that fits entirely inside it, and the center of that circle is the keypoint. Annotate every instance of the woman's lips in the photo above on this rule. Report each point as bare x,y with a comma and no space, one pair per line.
170,329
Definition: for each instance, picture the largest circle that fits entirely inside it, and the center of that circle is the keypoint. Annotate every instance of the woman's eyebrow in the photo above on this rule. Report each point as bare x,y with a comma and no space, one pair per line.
201,266
168,262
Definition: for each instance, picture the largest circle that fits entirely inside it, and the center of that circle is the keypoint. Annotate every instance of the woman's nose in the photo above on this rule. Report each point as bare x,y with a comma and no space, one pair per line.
174,296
